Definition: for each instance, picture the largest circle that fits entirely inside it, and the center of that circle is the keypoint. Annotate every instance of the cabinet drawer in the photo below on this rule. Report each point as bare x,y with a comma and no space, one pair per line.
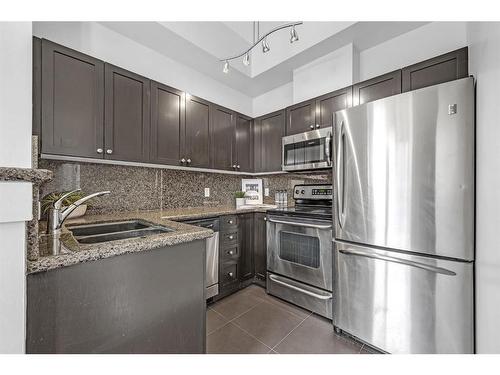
230,252
229,274
229,238
229,222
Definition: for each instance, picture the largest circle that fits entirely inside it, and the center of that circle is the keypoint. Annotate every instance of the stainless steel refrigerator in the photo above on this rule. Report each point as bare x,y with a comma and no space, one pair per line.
404,220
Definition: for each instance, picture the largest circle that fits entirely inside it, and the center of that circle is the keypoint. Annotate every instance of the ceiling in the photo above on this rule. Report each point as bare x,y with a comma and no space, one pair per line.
201,45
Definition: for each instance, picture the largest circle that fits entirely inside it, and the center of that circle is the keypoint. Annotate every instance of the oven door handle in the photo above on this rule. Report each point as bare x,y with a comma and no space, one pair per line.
308,292
306,225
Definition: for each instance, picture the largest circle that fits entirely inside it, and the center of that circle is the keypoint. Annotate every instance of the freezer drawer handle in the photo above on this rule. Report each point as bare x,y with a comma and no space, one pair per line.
410,263
309,293
316,226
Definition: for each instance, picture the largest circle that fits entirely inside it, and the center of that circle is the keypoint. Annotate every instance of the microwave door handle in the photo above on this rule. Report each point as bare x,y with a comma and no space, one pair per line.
405,262
303,225
338,165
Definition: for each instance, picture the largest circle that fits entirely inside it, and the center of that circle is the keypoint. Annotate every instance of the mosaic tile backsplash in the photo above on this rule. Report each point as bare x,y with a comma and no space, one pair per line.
142,188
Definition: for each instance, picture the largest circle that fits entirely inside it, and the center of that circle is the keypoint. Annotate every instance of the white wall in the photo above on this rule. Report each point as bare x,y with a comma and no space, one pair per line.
484,64
420,44
328,73
15,151
273,100
98,41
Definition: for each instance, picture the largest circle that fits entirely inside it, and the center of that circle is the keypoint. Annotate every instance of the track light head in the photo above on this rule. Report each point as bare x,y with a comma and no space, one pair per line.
293,35
246,59
265,46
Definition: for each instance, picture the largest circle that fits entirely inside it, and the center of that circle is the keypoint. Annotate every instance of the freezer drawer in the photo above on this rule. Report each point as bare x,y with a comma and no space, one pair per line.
404,303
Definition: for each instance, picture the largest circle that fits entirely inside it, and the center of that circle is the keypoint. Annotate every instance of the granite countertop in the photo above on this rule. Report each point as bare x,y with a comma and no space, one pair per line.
75,253
36,176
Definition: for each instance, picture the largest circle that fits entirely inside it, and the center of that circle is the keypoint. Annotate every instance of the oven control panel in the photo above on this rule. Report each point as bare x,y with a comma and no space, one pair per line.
315,192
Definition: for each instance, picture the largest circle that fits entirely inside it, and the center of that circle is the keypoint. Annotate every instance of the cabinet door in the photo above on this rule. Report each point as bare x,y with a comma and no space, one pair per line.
127,115
243,149
377,88
301,118
271,129
37,87
260,245
72,102
245,238
327,105
167,124
197,141
444,68
222,132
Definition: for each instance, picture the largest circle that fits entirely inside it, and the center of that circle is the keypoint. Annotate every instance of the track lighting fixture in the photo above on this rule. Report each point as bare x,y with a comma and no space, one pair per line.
294,36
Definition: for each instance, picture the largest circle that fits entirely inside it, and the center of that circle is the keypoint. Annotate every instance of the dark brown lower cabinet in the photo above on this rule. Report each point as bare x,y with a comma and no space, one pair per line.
260,245
245,238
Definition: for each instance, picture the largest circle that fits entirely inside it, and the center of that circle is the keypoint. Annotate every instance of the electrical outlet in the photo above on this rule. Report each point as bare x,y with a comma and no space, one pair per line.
266,192
207,192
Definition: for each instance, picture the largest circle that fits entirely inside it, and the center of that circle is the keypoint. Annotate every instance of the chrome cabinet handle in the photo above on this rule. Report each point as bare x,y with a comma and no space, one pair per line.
231,237
406,262
317,126
188,161
230,252
109,151
230,274
234,166
183,160
230,221
303,225
311,126
238,166
277,280
99,150
265,218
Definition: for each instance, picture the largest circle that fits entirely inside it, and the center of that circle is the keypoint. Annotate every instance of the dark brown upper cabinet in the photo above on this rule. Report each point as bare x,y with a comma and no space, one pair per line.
243,148
222,132
328,104
377,88
127,115
197,134
167,124
301,117
37,87
443,68
269,130
72,102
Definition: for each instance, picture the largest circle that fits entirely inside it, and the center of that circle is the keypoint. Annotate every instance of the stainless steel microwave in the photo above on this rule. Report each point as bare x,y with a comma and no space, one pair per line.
307,151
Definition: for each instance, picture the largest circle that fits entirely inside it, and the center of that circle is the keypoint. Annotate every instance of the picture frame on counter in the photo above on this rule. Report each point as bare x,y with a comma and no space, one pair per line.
253,189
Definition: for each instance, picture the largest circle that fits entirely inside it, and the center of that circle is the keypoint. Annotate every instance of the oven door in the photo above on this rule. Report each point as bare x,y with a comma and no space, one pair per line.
300,249
310,150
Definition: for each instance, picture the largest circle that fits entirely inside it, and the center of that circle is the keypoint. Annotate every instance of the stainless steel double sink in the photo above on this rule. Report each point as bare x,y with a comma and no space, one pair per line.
112,231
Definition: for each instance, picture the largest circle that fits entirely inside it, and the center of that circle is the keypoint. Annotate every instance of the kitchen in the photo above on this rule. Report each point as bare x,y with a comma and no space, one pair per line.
302,189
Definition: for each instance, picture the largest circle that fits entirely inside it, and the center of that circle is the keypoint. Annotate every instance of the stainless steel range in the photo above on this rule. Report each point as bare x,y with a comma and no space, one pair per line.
299,250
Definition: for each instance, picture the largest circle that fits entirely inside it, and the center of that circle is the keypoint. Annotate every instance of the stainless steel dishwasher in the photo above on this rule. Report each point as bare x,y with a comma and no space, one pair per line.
212,256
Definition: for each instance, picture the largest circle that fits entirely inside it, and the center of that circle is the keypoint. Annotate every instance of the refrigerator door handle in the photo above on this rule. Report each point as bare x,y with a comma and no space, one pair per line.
338,165
406,262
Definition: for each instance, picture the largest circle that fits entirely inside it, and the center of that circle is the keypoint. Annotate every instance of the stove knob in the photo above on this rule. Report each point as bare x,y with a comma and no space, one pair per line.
297,192
302,192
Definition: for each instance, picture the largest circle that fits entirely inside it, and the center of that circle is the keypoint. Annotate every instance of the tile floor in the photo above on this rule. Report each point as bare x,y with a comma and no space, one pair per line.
252,322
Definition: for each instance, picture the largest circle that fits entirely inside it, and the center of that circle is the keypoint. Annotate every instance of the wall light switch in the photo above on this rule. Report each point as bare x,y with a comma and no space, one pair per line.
207,192
266,192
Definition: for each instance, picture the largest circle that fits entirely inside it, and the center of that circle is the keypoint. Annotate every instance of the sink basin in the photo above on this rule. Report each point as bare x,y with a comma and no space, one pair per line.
119,230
